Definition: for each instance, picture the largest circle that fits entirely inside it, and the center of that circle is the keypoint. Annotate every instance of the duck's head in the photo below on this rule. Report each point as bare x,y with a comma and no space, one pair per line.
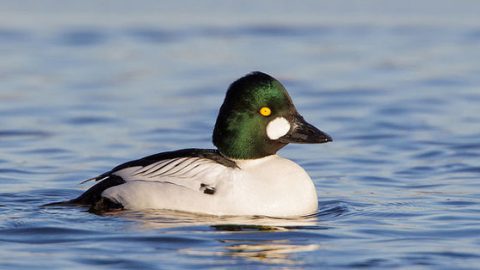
258,118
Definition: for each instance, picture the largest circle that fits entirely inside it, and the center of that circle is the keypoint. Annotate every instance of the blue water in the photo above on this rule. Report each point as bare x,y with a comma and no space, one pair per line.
87,85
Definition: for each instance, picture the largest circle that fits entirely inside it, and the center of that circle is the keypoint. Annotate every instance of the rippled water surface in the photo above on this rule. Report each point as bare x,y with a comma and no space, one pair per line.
87,85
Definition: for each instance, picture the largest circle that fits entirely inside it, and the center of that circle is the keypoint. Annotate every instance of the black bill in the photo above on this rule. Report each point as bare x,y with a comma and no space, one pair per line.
303,132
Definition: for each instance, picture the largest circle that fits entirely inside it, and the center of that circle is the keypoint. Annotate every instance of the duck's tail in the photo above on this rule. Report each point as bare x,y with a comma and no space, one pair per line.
93,196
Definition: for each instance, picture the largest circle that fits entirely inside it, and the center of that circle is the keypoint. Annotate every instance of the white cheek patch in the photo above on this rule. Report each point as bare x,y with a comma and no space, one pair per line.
277,128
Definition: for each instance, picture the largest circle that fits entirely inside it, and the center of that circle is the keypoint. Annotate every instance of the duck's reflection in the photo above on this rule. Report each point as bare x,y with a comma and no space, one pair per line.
251,238
271,252
160,219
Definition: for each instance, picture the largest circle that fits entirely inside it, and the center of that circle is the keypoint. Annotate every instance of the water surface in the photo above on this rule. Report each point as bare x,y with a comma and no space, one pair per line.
85,87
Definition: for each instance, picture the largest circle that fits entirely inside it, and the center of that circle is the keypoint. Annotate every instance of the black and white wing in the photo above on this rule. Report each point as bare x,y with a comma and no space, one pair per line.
191,172
195,169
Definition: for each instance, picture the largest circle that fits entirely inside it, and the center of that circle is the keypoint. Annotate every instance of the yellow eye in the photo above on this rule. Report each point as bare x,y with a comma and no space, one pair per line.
265,111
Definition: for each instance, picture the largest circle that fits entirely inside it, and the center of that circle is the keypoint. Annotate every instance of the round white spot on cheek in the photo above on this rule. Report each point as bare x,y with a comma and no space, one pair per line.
277,128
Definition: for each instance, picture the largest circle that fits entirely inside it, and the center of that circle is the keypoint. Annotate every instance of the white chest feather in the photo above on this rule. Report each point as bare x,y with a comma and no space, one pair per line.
277,186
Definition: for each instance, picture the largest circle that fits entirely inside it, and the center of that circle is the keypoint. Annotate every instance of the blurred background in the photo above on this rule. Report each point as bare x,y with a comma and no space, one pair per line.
85,85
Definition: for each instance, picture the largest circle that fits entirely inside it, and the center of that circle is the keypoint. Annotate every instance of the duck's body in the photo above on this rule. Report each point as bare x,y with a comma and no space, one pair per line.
271,186
243,177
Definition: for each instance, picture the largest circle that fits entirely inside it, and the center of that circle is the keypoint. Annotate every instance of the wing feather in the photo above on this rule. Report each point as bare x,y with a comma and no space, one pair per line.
154,167
183,167
171,168
190,172
200,170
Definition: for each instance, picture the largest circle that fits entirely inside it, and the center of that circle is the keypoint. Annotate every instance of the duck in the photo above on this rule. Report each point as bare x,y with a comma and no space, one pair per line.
243,176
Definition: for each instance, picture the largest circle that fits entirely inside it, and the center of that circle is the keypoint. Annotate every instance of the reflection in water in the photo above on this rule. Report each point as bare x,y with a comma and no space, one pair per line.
271,252
160,219
244,243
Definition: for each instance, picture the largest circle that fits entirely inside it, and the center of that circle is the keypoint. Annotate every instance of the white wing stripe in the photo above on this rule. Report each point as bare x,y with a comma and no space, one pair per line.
185,164
161,166
200,170
151,167
168,167
189,172
194,167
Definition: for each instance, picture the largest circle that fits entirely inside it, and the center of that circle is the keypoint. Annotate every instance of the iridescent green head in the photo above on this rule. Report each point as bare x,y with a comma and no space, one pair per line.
258,118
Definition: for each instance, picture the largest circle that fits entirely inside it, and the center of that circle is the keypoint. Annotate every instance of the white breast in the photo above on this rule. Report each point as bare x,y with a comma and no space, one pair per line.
275,186
270,186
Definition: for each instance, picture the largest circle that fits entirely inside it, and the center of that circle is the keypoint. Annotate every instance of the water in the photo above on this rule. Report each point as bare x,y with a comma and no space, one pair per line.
87,85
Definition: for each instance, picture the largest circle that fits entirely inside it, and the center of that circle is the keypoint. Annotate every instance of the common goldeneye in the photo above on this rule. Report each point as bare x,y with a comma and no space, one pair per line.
243,176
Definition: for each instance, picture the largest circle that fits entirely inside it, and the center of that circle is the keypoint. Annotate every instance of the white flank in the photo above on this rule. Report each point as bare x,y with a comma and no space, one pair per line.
277,128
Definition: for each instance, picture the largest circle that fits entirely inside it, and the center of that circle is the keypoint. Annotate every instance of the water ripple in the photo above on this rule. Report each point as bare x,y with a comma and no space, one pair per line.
13,134
398,187
83,37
